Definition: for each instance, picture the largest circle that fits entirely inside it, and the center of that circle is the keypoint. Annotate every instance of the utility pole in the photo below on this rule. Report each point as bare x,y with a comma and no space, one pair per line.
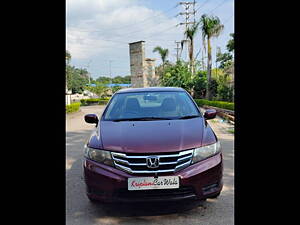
189,8
177,50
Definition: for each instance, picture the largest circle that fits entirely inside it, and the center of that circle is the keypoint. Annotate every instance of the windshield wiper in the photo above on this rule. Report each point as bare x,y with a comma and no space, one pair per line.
141,119
188,117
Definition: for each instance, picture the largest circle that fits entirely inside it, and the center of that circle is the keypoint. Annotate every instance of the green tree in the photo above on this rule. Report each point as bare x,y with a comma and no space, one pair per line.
162,52
103,80
200,81
224,90
121,80
225,59
115,89
77,79
226,87
68,59
100,90
178,75
115,80
127,79
190,34
211,27
230,44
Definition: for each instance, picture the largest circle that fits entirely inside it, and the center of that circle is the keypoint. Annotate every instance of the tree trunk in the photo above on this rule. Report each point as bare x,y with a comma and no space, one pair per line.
192,57
208,91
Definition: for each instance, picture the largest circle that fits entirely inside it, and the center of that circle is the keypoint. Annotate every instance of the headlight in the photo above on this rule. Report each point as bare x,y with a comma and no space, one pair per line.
99,155
206,151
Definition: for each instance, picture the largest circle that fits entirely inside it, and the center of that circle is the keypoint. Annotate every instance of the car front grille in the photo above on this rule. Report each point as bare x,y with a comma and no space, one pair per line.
167,162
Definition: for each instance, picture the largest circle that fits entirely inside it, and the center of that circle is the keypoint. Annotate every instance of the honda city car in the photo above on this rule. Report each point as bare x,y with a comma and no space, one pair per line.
152,144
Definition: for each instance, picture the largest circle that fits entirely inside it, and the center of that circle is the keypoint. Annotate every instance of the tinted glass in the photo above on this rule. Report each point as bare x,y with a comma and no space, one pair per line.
150,104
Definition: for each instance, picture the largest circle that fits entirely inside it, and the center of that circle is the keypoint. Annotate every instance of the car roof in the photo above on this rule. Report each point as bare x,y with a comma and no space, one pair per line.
127,90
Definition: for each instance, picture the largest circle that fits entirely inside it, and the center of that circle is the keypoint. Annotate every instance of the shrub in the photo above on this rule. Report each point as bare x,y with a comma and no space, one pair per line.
99,101
89,101
219,104
105,98
74,107
103,101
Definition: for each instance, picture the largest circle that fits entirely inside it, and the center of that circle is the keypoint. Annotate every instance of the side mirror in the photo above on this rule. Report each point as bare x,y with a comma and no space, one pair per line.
91,118
210,114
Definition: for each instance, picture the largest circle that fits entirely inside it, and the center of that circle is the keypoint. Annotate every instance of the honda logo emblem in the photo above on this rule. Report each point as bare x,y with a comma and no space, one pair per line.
152,162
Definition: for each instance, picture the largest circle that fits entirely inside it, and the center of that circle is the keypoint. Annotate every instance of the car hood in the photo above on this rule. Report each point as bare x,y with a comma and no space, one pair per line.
152,136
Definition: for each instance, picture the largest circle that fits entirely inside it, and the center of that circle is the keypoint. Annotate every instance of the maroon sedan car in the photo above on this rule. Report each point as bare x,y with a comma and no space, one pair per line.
152,144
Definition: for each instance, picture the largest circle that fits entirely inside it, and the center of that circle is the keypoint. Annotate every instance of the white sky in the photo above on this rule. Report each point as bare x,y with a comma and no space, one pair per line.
100,30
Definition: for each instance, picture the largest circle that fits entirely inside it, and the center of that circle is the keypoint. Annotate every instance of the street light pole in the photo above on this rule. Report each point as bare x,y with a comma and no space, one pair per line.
88,66
110,74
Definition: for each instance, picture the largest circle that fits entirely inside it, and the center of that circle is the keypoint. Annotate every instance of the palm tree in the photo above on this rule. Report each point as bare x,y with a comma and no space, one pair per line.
163,53
190,34
211,27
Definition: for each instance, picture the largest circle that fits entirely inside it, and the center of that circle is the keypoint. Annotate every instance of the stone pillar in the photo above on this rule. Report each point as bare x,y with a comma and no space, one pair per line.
151,80
137,61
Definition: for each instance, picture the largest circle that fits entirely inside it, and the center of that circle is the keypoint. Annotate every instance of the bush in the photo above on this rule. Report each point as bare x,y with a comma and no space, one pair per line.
219,104
92,101
74,107
89,101
103,101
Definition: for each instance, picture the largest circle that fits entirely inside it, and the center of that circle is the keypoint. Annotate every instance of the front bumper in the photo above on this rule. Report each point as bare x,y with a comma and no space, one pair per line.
197,182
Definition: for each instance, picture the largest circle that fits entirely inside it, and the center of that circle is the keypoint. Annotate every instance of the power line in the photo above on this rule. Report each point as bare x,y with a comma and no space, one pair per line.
142,20
160,32
202,5
228,19
187,14
221,3
177,49
128,35
217,7
126,26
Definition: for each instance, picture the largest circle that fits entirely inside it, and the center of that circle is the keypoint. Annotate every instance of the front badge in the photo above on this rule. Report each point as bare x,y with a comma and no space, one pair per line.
152,162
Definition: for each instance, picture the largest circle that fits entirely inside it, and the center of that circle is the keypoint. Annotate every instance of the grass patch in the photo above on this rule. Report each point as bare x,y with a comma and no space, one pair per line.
73,107
230,130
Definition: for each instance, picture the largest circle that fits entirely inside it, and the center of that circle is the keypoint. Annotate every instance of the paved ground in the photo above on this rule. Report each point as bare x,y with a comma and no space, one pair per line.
80,211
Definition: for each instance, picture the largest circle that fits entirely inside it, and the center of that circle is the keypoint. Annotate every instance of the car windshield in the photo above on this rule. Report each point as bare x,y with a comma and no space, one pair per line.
151,106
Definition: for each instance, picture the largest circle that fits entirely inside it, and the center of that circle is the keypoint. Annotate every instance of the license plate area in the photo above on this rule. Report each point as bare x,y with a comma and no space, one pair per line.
152,183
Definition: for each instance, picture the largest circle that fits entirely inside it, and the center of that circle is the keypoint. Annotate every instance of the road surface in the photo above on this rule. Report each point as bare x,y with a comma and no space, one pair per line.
79,211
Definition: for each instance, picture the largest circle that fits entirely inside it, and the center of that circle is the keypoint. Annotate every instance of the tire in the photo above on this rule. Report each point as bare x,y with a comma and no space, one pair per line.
215,196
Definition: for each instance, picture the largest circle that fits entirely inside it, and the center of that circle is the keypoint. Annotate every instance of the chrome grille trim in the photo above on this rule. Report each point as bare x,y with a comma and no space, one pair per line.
142,156
128,163
121,161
